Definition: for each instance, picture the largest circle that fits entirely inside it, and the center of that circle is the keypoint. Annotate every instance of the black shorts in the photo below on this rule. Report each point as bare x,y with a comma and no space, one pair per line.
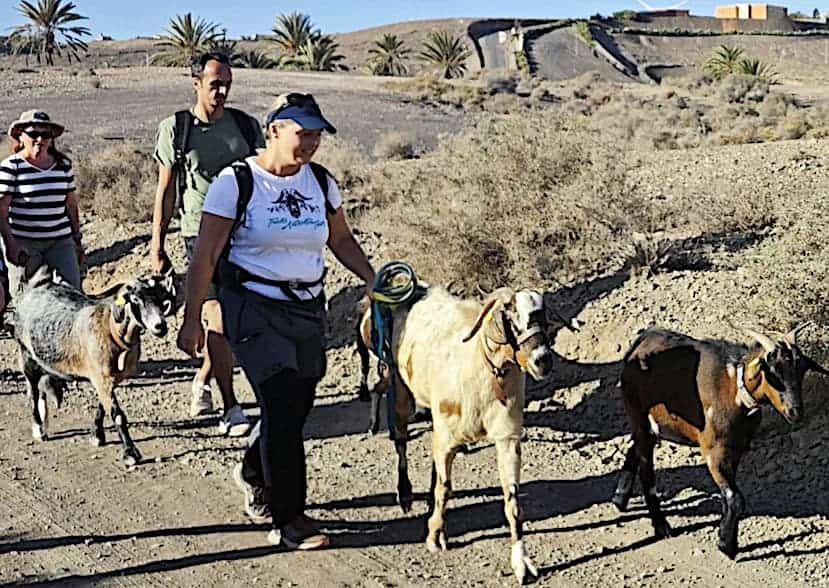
213,288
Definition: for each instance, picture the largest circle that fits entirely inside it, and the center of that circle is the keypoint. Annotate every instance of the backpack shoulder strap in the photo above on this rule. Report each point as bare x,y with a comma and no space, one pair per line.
244,181
322,174
181,134
181,138
245,125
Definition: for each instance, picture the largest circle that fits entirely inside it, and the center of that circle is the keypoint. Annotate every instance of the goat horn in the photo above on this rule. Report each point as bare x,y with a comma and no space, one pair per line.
480,320
763,340
791,336
108,292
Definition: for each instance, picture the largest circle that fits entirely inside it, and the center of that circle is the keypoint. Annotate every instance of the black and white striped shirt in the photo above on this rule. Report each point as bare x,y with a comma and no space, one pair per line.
38,198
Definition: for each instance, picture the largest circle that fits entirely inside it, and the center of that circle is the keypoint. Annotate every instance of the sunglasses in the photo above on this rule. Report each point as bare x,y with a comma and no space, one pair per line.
35,135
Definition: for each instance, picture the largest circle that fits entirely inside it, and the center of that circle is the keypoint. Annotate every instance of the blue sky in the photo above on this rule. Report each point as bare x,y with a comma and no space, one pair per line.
125,19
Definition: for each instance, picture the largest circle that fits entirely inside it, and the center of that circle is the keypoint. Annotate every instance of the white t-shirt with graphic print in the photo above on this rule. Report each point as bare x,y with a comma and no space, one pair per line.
285,230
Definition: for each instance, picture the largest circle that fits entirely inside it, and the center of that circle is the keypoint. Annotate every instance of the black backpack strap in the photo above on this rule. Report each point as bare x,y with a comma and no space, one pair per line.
244,181
181,137
246,126
322,175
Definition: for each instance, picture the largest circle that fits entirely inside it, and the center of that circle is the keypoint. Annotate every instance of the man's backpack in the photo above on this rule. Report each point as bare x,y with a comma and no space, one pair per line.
232,275
181,135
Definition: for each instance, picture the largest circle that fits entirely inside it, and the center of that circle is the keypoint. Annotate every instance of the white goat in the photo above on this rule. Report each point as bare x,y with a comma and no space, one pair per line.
466,363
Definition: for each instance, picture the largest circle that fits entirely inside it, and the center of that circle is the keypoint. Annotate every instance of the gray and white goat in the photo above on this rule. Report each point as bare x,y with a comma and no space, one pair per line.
65,334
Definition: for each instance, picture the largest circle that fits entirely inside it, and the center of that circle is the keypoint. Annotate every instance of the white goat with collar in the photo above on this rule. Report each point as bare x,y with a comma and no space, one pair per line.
467,363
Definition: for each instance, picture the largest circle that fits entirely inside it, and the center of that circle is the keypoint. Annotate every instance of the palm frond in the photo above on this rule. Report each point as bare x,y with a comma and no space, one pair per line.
388,56
185,38
446,51
50,30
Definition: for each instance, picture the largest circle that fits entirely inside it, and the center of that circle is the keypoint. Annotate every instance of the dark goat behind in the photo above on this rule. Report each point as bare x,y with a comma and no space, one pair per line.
706,394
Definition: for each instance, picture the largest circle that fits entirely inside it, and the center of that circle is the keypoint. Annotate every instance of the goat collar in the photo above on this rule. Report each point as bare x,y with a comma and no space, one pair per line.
744,397
124,334
498,371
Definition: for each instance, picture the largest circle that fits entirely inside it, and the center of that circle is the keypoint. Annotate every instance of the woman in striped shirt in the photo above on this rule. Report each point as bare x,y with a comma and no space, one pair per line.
38,206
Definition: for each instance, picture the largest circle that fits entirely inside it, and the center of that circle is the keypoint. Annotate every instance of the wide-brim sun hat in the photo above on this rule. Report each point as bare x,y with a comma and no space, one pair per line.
303,110
34,118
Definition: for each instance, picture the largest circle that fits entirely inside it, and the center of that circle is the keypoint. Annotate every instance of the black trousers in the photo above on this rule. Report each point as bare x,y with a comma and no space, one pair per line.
275,458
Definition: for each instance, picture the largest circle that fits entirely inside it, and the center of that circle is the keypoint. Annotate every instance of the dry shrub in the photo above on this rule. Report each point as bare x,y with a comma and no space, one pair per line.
396,144
428,89
505,202
742,88
344,160
694,81
118,182
501,81
504,104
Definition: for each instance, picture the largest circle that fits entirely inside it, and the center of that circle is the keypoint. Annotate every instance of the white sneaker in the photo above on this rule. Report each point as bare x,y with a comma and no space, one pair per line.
255,506
201,399
234,423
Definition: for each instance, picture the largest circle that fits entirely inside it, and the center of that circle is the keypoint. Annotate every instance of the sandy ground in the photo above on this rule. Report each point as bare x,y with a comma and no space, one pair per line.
73,515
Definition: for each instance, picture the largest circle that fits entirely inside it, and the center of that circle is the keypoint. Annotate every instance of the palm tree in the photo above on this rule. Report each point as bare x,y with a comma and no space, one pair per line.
50,29
723,61
292,32
446,51
185,38
317,54
254,59
228,48
388,55
756,68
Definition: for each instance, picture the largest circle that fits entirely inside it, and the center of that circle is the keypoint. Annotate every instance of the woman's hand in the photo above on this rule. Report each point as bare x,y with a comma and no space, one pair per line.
191,336
80,254
16,254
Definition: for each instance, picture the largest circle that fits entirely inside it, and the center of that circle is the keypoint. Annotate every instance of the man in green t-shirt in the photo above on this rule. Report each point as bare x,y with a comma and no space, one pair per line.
214,140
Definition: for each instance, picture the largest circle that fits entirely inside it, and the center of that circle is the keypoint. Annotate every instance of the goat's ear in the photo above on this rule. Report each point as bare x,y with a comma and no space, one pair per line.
482,316
791,336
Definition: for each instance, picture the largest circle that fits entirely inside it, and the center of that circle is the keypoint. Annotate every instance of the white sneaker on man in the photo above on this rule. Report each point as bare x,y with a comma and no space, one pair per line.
234,423
201,399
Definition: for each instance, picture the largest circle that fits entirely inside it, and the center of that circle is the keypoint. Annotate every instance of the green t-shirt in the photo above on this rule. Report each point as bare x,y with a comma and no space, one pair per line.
210,148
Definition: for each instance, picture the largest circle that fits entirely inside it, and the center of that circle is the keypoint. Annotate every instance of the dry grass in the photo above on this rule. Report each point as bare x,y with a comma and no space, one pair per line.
118,182
530,200
395,145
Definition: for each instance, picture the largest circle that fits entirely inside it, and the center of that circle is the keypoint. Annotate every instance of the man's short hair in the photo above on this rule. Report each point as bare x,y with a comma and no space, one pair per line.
199,63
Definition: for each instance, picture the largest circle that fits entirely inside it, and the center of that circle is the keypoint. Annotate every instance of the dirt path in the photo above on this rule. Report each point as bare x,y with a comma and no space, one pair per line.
70,514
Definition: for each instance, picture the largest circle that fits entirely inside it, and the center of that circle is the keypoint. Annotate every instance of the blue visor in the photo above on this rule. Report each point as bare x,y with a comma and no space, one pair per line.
307,116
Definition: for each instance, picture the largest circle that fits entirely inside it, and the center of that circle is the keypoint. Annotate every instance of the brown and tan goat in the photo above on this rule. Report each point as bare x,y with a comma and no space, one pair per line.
708,394
467,363
64,334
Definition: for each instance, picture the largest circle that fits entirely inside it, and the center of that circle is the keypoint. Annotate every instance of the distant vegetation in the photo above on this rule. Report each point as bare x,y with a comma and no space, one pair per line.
726,60
52,31
447,52
185,38
388,56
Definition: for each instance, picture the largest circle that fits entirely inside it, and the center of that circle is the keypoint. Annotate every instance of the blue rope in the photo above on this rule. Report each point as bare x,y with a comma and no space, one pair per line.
395,283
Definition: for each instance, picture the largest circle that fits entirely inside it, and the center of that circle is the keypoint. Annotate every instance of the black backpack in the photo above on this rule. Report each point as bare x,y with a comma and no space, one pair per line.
229,274
181,136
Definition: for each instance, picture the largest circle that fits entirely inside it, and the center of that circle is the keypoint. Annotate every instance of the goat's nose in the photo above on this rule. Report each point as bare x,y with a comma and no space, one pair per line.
545,362
794,413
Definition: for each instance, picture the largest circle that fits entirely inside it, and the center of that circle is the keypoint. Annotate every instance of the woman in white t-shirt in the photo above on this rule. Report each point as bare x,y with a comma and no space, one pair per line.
272,300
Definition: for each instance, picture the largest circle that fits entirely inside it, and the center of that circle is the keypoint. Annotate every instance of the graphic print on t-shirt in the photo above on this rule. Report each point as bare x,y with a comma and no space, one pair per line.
292,201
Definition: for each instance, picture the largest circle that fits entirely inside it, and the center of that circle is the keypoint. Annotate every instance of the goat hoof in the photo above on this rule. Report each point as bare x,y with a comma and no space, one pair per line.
437,543
39,433
131,458
521,563
662,530
729,548
620,501
405,503
96,441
